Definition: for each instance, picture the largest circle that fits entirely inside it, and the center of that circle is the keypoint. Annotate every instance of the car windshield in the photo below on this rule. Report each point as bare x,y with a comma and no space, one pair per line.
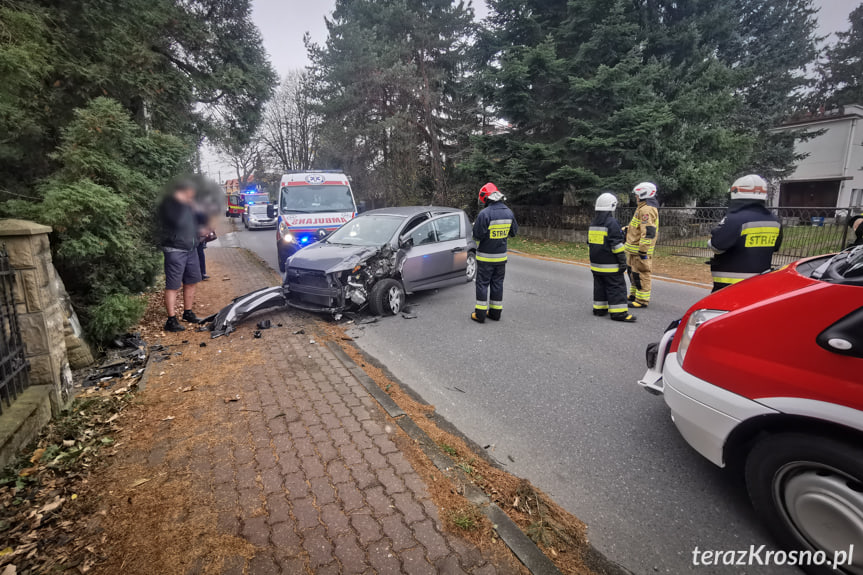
316,199
366,231
257,199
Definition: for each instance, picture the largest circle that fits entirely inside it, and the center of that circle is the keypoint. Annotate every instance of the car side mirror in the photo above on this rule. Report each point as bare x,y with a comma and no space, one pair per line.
406,242
271,211
361,206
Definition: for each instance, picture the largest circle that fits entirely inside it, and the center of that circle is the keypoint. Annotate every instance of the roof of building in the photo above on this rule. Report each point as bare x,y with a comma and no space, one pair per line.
850,112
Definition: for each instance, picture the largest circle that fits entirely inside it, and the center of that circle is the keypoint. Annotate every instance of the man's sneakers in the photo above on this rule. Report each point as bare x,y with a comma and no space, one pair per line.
628,318
173,325
190,317
637,305
205,277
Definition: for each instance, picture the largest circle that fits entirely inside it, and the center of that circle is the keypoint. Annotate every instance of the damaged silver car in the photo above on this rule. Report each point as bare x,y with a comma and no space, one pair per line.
377,258
371,262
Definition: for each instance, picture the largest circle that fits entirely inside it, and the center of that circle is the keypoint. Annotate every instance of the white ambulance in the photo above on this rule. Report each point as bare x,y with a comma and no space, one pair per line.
311,205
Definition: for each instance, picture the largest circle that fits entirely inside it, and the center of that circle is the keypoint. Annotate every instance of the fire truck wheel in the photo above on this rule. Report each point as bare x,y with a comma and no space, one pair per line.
808,490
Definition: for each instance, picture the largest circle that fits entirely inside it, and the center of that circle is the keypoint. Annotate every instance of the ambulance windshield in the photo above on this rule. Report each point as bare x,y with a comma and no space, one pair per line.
316,199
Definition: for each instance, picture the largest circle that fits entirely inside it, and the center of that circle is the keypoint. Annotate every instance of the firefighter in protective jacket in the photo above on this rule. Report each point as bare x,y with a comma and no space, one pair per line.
642,233
608,261
748,236
493,226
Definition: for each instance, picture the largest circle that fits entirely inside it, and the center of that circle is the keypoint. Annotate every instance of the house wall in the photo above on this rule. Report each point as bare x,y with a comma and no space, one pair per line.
836,154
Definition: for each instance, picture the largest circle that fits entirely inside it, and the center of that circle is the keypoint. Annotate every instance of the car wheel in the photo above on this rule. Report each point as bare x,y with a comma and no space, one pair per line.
387,297
470,269
809,492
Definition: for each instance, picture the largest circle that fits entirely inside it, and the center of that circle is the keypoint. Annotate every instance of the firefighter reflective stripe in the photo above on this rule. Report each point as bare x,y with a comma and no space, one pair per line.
600,305
621,309
760,234
636,220
597,235
730,277
496,305
650,248
618,249
605,268
755,225
490,258
642,295
482,305
499,229
636,249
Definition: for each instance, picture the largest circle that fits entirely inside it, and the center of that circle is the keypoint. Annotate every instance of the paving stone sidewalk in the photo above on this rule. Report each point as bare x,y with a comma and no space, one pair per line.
305,466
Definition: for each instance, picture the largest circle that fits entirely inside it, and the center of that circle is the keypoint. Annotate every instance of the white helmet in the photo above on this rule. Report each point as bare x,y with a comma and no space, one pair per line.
645,190
751,187
606,202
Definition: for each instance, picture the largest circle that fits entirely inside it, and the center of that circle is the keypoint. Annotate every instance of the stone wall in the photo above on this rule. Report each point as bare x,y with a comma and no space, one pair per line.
40,306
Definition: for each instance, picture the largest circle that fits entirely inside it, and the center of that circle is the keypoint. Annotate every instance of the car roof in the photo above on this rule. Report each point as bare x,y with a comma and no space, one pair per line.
408,211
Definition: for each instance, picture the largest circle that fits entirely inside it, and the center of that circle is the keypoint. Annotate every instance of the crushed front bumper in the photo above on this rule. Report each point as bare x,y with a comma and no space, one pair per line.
225,321
315,291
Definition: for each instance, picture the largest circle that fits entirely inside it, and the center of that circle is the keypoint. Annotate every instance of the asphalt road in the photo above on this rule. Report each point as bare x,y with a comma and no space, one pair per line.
554,389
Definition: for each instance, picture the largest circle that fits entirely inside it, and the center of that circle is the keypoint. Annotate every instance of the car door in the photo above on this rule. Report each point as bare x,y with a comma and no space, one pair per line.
427,262
451,230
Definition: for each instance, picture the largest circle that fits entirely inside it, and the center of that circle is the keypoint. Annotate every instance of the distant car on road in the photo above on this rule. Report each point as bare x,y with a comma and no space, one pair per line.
257,217
378,257
257,202
766,377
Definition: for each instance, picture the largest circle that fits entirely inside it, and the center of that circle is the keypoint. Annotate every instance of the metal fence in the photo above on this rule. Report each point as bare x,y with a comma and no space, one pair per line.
14,376
684,231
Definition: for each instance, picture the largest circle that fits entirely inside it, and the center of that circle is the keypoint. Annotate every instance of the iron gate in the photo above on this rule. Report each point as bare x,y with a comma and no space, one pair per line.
14,375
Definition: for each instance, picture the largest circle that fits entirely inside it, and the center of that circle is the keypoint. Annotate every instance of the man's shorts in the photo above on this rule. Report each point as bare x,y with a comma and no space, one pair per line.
182,268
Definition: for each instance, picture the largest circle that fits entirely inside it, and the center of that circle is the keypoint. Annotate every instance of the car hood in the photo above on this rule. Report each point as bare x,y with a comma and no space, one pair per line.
330,258
761,290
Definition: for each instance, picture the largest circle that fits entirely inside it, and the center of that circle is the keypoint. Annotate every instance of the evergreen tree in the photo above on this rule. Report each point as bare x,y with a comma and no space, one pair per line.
842,70
602,94
388,82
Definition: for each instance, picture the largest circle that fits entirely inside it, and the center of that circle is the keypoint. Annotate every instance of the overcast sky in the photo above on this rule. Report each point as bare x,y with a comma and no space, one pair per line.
283,23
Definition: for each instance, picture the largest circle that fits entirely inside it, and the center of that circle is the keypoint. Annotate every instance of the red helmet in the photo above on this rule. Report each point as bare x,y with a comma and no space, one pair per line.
489,192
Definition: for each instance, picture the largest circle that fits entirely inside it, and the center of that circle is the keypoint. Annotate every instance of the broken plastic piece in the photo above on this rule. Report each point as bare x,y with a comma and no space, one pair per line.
257,334
226,320
265,324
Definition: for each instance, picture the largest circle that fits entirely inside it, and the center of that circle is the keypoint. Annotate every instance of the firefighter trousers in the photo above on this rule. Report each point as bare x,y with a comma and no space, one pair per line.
640,277
609,294
489,278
